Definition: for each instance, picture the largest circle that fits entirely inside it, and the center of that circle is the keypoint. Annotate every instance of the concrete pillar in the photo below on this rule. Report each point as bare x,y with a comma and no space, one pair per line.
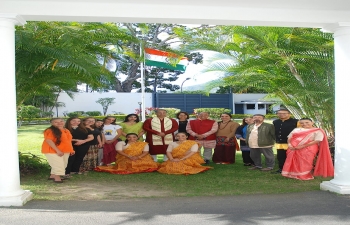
11,193
341,182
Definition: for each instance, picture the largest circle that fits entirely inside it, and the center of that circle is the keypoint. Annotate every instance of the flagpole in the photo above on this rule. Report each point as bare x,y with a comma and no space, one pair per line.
143,111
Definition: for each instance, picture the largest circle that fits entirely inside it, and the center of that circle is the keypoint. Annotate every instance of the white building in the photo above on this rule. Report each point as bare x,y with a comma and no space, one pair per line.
127,103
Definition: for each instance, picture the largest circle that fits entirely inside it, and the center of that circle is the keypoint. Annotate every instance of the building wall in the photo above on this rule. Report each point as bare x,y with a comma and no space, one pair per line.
248,97
128,102
124,102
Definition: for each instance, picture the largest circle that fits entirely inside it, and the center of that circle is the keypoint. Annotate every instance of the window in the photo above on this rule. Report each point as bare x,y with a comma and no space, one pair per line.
261,106
250,106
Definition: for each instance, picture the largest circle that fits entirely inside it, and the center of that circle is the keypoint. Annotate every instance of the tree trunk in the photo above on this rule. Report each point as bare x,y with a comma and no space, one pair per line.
126,85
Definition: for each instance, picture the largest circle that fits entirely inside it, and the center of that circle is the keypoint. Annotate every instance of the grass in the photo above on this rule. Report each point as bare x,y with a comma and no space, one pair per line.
222,180
30,138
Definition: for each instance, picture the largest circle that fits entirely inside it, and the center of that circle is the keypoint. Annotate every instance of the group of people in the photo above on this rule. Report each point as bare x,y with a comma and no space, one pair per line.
298,144
77,146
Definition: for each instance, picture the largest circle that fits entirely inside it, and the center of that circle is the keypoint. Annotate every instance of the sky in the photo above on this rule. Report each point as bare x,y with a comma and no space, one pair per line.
196,77
193,71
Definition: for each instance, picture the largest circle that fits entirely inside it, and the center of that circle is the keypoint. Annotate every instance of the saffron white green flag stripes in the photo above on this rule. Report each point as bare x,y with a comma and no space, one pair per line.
166,60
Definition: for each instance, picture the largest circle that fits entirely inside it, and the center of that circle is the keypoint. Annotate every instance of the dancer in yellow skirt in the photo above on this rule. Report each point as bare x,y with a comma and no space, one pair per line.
133,157
183,157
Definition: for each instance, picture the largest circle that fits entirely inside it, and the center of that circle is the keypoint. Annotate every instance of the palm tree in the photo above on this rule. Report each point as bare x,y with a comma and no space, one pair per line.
62,54
59,104
294,64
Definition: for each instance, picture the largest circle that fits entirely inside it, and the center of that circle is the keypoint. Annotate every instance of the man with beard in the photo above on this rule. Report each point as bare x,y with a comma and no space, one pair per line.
261,138
160,133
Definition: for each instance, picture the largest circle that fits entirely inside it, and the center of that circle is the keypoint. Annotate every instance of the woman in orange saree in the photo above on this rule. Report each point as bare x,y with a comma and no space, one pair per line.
304,144
133,157
183,157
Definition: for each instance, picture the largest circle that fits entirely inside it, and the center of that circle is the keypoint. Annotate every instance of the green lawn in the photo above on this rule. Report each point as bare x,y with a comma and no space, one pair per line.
30,138
232,179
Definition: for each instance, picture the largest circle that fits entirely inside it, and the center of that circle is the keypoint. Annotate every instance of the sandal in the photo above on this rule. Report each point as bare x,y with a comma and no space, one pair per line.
58,181
62,178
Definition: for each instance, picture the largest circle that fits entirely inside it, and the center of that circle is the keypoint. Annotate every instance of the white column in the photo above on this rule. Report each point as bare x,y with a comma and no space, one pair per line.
11,193
341,182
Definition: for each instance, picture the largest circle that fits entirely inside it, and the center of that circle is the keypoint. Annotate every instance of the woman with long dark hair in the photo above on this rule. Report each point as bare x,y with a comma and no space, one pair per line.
183,157
133,157
57,146
90,159
132,124
99,126
81,138
241,134
226,143
182,119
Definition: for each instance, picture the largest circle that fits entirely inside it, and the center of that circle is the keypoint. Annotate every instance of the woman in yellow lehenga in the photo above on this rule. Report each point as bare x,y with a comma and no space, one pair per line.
183,157
132,157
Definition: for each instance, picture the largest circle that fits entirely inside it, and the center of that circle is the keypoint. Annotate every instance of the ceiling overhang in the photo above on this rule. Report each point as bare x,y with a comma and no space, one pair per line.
296,13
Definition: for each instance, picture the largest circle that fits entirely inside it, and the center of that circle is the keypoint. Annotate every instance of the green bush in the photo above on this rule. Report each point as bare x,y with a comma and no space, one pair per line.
93,113
117,117
215,113
75,114
241,116
27,111
47,114
30,163
171,112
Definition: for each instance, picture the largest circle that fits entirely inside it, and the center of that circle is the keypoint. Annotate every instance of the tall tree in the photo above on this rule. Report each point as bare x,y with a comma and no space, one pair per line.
157,36
105,103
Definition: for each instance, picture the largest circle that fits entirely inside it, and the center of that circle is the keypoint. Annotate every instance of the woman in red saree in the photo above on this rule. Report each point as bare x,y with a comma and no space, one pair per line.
132,157
183,157
304,144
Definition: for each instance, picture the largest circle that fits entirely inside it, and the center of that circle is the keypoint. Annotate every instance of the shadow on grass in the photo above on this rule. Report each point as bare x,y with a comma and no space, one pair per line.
222,180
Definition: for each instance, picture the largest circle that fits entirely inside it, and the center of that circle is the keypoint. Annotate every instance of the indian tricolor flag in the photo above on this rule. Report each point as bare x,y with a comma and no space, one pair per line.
166,60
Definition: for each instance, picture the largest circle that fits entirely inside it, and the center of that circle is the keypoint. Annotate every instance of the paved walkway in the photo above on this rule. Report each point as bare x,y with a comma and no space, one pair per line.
316,208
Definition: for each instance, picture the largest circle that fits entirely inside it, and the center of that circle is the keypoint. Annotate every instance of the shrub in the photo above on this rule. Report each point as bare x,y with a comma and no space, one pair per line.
117,117
93,113
30,163
27,111
116,113
171,112
215,113
46,114
75,114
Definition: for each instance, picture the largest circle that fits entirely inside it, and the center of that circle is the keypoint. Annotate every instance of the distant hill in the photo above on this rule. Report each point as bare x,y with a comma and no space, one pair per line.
198,87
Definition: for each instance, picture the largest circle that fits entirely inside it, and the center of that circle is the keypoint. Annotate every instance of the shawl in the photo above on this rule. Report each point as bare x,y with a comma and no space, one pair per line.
324,165
156,125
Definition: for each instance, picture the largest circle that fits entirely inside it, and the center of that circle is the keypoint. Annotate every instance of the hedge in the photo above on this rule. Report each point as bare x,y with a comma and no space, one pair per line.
122,117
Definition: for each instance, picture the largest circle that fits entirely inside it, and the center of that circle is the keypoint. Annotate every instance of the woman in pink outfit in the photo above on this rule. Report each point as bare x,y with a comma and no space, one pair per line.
304,144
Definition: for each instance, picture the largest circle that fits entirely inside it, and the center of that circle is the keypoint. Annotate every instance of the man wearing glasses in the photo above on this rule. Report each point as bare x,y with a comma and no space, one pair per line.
283,126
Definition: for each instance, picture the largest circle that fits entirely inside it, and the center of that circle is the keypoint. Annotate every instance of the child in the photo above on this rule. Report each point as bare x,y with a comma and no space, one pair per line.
111,133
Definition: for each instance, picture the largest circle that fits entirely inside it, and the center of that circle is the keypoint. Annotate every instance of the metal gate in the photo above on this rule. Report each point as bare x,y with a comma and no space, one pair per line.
188,102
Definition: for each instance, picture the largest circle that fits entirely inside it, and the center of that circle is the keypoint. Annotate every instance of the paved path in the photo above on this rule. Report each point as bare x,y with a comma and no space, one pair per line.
318,208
